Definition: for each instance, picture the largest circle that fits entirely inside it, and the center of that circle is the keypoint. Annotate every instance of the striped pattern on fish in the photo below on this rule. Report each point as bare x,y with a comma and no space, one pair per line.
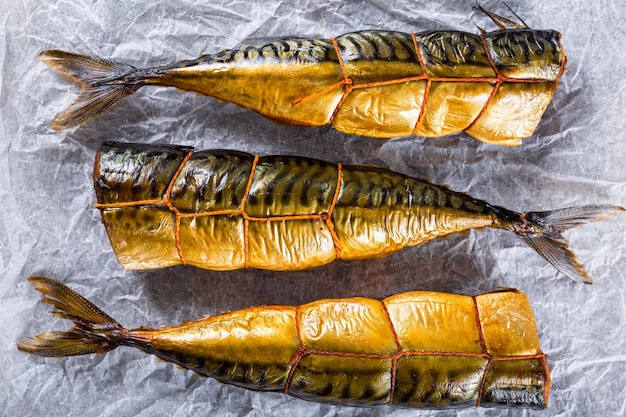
495,85
417,349
222,210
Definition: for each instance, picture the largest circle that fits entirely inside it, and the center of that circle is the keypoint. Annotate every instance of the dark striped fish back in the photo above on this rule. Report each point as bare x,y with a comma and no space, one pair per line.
447,54
287,50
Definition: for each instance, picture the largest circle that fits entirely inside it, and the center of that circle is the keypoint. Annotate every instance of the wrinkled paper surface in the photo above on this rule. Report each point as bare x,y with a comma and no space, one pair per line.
48,225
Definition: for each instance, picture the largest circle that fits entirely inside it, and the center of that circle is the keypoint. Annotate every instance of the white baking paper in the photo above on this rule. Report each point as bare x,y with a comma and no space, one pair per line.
48,225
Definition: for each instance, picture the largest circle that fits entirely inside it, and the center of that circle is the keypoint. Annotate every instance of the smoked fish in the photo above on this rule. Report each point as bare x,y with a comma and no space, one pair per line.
495,85
223,210
417,349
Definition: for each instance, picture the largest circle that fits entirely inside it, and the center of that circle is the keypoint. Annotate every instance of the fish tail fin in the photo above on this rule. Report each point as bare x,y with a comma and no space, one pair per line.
543,231
104,82
93,332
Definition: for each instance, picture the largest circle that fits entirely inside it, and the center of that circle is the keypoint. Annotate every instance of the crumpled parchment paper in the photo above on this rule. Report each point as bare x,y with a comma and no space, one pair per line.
48,225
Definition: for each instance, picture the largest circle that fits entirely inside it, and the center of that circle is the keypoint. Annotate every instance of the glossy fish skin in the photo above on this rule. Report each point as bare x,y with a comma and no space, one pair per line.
495,86
417,349
222,210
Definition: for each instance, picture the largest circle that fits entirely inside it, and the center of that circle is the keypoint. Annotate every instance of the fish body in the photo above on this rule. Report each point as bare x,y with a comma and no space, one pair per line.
495,86
222,210
417,349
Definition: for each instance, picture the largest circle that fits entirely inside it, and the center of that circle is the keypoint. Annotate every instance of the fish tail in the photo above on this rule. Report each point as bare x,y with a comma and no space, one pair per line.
543,231
93,332
104,82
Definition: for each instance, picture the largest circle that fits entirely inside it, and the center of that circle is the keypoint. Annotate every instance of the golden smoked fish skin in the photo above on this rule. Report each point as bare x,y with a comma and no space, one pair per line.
417,349
495,86
224,210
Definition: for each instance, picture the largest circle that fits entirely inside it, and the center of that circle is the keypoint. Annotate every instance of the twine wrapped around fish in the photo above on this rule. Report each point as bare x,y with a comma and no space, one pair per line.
495,86
417,349
223,210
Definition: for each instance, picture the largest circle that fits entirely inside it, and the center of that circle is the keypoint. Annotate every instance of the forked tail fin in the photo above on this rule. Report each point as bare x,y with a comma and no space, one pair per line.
543,231
93,332
104,83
